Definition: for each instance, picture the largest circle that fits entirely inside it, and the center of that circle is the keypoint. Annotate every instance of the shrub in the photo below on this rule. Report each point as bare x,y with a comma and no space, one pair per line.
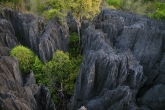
58,68
25,56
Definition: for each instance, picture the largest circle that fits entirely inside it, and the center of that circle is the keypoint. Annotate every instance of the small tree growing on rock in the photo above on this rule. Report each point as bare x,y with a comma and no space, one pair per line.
25,56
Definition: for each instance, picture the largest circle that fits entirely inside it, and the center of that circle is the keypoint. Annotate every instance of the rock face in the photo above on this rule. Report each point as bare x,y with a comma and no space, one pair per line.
44,99
28,28
30,32
72,24
7,37
123,67
107,79
154,98
12,93
142,36
17,91
15,94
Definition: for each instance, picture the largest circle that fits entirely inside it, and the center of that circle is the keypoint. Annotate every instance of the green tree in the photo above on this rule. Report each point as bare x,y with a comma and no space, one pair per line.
58,75
57,71
84,9
74,50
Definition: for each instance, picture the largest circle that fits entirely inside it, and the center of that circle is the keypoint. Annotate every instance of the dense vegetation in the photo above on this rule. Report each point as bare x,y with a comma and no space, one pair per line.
58,75
86,8
153,8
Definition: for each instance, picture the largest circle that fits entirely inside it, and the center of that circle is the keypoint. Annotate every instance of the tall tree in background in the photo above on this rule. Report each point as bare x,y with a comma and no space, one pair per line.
84,9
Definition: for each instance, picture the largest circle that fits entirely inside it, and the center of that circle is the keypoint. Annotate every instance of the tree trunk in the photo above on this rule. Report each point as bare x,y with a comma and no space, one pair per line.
78,29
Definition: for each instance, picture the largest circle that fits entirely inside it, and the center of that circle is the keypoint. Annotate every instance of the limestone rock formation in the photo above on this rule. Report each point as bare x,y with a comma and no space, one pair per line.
153,98
14,94
28,29
7,37
123,67
30,32
72,24
107,79
144,38
44,99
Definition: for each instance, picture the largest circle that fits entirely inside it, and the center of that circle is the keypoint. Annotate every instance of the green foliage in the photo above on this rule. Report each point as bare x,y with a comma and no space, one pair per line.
29,61
51,8
69,81
74,45
158,11
153,8
63,70
59,66
158,14
85,8
114,3
60,72
37,68
25,56
76,59
60,8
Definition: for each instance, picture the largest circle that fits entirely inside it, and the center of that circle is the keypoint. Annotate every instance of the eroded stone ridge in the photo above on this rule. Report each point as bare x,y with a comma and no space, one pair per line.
107,79
19,94
7,37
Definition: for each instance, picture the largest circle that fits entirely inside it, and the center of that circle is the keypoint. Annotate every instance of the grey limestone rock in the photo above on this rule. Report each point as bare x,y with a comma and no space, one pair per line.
30,32
7,37
12,93
107,79
44,99
154,98
15,95
140,35
4,51
30,79
28,29
72,24
124,61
